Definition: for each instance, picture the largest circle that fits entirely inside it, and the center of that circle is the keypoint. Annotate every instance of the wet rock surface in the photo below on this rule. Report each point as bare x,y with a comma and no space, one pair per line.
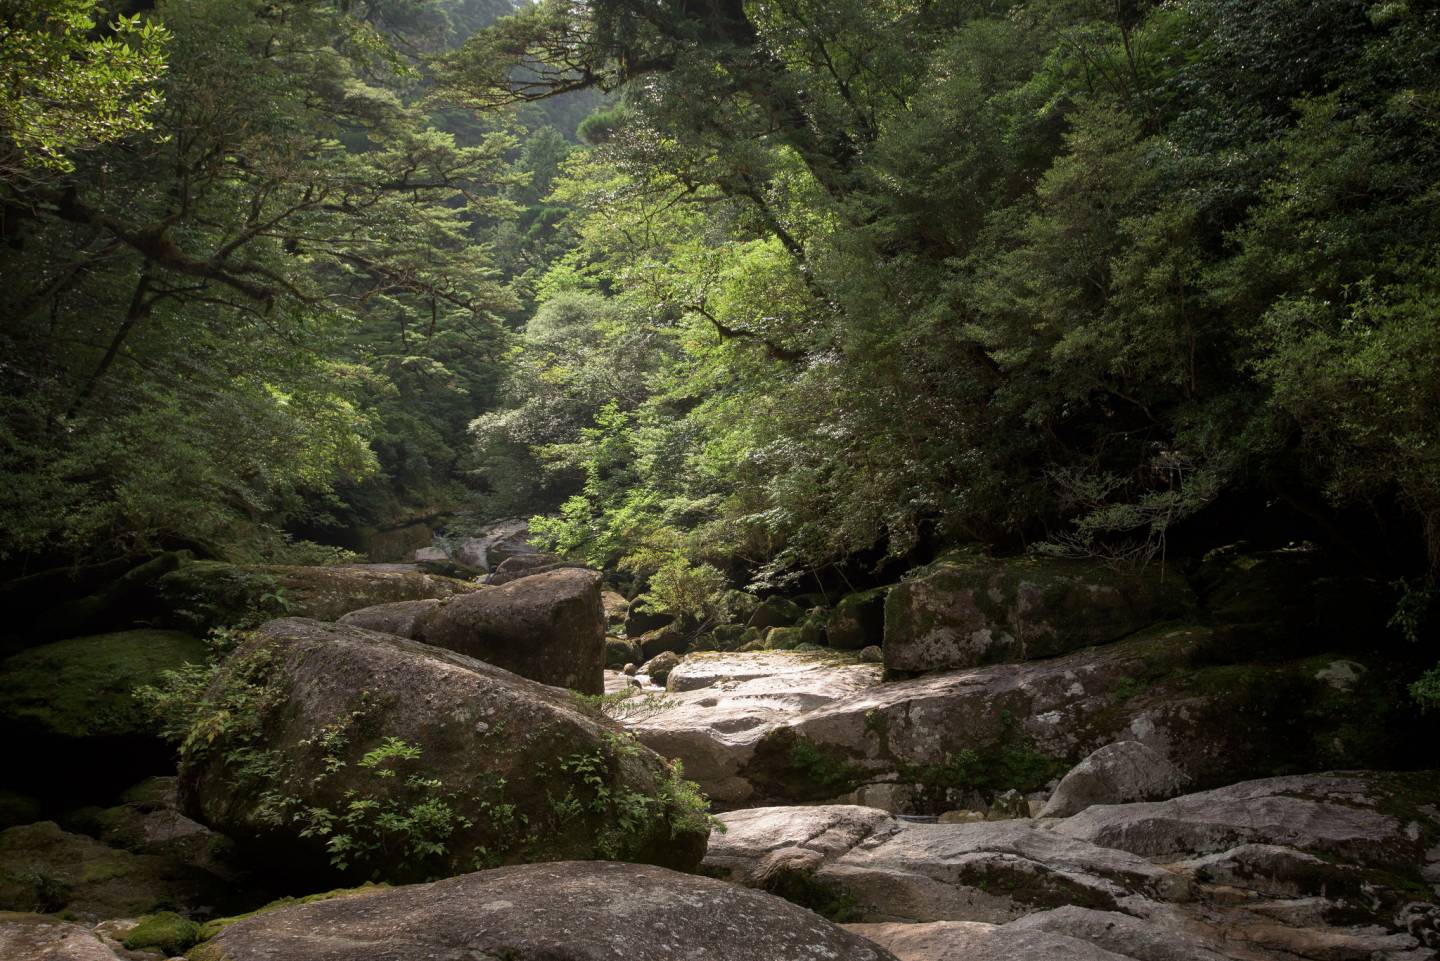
977,941
547,912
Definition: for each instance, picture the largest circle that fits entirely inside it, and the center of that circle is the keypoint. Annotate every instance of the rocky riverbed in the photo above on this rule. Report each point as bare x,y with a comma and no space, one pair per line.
1144,796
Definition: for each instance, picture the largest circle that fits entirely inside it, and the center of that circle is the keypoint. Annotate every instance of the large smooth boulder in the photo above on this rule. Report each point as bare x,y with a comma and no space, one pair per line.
775,612
207,594
75,700
1116,773
591,911
673,638
968,609
620,651
640,620
549,628
658,668
615,607
328,748
525,565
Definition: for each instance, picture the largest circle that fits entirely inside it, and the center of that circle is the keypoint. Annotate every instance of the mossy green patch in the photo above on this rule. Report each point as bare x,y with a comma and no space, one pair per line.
83,687
170,932
213,927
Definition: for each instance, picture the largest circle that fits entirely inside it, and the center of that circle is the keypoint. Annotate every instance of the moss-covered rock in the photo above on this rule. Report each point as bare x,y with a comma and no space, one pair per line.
1287,603
812,626
207,594
75,700
620,651
18,808
775,612
171,933
333,750
659,667
728,637
969,609
783,638
46,869
148,821
83,687
214,926
114,604
674,637
858,620
639,619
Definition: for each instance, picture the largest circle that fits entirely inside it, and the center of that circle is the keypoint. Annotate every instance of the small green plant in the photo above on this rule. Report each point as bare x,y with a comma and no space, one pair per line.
1412,611
1427,689
409,821
821,768
1008,762
630,705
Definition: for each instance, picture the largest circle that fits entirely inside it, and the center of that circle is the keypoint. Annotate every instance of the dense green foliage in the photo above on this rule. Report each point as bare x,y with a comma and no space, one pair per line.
822,280
1066,272
248,275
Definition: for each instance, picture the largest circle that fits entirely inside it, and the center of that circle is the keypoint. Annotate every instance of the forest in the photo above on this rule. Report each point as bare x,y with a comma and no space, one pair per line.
441,440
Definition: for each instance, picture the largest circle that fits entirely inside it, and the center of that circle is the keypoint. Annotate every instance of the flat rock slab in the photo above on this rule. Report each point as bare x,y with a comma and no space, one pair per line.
576,911
728,703
709,669
1337,815
901,871
1328,867
977,941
